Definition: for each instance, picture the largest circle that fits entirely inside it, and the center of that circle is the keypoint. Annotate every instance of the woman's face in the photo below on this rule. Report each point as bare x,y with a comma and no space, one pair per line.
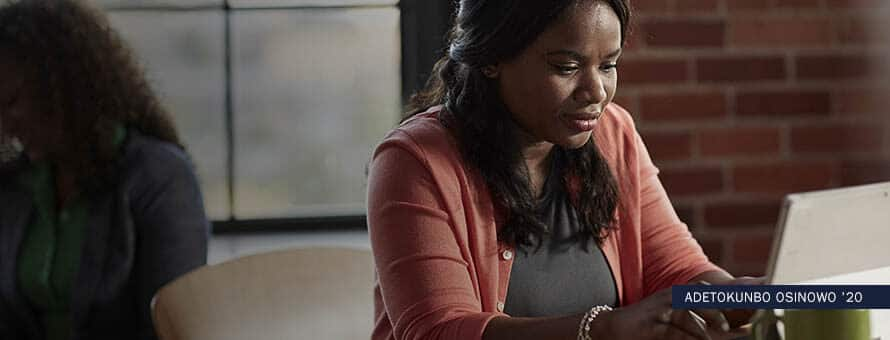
559,85
18,114
11,87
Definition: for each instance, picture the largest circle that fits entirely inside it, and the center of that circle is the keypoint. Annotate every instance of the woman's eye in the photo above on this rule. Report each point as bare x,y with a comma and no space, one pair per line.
609,67
566,69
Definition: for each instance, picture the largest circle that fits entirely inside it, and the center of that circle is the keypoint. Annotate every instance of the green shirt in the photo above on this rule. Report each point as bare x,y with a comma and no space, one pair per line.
49,257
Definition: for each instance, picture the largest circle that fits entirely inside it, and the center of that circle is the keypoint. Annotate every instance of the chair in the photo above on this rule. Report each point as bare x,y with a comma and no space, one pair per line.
309,293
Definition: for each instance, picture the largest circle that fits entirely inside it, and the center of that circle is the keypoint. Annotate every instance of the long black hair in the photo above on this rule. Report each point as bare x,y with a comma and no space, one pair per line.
487,32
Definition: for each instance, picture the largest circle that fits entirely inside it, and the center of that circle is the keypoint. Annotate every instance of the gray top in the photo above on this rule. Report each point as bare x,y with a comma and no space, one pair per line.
562,277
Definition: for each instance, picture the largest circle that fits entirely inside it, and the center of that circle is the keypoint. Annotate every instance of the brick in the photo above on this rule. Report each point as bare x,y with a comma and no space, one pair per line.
855,30
653,71
752,249
783,103
860,102
683,106
747,5
837,138
856,172
684,6
735,69
798,4
668,146
784,178
694,181
650,6
779,32
684,33
833,67
739,141
742,214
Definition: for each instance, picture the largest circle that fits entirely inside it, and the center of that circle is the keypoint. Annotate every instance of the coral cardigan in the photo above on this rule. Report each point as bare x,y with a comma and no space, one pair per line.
441,272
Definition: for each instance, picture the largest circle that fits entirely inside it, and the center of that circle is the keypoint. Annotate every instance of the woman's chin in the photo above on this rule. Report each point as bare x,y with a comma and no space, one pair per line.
575,141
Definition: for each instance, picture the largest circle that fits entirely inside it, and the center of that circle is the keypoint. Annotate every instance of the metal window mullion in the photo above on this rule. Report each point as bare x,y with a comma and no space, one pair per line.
229,109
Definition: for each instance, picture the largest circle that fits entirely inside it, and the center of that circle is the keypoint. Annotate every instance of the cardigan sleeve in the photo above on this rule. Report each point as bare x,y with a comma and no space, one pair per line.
670,254
423,275
171,227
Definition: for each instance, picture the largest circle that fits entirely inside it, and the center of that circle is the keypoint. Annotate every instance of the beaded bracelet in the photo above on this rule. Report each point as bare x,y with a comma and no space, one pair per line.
584,326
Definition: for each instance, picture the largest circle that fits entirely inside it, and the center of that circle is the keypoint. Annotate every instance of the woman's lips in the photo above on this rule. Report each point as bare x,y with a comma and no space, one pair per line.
580,122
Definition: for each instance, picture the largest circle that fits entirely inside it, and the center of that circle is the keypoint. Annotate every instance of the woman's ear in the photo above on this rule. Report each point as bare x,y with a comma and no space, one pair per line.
491,71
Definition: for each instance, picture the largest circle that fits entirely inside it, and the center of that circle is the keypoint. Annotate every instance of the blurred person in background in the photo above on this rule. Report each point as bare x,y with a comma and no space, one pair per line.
100,206
518,202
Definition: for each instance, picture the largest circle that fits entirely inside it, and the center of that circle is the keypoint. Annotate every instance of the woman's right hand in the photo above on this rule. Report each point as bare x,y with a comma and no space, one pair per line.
653,318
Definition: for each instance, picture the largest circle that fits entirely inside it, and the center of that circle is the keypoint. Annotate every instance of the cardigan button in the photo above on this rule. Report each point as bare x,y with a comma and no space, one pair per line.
500,306
507,255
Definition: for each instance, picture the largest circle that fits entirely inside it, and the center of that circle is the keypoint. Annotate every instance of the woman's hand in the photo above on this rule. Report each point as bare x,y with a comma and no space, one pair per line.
653,318
741,317
736,317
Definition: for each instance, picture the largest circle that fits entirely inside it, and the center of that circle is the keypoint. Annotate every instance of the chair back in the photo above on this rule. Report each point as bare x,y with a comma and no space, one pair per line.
308,293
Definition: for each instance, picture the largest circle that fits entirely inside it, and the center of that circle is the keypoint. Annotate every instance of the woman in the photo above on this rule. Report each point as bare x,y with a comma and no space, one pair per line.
102,207
518,202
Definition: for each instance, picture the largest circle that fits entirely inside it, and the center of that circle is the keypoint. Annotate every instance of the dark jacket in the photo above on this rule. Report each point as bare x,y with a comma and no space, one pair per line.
143,232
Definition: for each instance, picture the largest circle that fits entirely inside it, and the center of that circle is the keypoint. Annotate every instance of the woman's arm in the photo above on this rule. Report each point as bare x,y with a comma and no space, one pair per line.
507,328
651,318
670,254
424,277
171,227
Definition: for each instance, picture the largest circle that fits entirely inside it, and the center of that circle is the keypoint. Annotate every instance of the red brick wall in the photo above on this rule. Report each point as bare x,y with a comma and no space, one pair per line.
743,101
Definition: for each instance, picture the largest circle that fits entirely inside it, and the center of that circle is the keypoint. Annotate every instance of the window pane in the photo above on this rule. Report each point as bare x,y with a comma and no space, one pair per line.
315,90
183,56
241,3
158,3
308,3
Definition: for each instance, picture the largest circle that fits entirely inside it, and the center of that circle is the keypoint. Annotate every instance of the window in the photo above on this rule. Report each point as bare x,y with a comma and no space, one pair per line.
314,91
281,102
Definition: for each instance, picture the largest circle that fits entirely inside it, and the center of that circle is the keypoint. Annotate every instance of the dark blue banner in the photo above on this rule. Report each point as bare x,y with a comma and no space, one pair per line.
781,297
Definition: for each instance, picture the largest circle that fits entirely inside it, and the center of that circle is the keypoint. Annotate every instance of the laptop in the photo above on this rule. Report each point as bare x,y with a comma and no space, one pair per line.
837,236
831,233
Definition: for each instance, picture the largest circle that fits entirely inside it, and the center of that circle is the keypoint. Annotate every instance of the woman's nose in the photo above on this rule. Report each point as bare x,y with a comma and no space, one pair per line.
591,90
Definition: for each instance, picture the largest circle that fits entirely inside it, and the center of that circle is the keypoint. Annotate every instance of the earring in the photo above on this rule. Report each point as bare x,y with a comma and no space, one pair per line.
490,71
